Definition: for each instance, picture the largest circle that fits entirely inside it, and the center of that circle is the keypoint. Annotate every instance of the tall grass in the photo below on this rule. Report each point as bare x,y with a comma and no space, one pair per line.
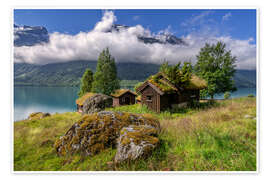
219,137
169,113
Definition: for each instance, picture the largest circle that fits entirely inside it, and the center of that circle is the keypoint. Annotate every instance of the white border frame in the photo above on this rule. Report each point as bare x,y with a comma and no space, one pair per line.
258,128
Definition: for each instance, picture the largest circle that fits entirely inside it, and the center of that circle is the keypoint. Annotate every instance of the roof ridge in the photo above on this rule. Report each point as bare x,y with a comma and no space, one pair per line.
118,94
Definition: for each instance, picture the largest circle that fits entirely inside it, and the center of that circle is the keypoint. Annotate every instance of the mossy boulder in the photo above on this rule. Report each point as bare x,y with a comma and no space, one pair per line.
95,132
38,115
96,103
136,142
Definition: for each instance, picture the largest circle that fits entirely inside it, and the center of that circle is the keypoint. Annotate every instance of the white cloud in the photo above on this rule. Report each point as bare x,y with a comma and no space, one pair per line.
106,22
226,16
126,47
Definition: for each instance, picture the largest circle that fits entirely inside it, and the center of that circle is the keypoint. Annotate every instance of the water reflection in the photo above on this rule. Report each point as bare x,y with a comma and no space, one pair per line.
44,99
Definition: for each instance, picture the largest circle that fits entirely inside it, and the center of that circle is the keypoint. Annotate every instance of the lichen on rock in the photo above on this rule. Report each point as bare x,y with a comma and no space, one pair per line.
96,103
95,132
136,142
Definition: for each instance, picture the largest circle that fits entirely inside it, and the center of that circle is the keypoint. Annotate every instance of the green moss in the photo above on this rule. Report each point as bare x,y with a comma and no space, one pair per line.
163,85
139,134
101,130
82,99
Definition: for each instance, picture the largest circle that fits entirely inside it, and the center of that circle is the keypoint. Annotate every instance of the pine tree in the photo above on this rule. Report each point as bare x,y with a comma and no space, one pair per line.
217,66
105,77
86,82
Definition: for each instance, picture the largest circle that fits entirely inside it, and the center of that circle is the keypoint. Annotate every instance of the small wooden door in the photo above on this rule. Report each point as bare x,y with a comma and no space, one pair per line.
127,100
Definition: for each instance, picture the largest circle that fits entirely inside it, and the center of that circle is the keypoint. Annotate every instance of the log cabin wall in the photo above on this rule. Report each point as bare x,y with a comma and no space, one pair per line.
197,94
167,100
189,95
127,96
158,103
151,99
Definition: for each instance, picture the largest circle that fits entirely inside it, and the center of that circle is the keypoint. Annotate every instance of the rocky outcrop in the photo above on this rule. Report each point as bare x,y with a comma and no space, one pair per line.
136,142
97,103
95,132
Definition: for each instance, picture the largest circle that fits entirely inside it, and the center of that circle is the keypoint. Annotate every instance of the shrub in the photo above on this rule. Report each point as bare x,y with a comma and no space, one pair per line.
251,95
227,95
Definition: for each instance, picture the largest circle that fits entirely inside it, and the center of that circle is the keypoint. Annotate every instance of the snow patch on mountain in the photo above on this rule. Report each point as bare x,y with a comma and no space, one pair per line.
29,35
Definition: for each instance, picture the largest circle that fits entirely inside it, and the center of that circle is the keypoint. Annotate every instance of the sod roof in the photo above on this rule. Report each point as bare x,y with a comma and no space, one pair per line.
139,98
161,81
81,100
196,83
162,84
121,92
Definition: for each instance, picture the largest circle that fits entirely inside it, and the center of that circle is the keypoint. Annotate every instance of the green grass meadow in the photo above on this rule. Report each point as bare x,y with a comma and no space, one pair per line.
218,136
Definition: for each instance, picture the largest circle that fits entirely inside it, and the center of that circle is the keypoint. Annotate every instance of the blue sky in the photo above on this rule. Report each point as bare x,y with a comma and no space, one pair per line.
237,23
81,34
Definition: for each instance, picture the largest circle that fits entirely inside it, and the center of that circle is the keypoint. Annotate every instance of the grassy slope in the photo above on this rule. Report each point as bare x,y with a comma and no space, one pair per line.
216,138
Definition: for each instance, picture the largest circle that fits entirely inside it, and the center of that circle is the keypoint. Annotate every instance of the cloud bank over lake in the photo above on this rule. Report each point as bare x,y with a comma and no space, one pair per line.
125,46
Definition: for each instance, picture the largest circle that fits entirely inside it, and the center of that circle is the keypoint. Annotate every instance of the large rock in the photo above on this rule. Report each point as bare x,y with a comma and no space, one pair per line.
97,103
136,142
95,132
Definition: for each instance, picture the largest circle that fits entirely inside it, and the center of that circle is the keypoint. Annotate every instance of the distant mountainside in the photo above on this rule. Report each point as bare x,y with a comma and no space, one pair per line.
69,73
29,36
245,78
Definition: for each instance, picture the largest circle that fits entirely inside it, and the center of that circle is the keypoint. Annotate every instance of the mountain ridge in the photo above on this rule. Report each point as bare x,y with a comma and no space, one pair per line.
30,35
163,38
69,73
33,35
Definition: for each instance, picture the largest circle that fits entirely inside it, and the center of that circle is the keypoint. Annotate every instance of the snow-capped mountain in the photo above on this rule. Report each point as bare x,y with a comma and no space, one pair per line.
164,38
29,35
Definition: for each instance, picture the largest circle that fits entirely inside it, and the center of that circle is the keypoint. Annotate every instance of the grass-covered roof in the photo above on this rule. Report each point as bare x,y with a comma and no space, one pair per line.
162,82
81,100
117,93
120,92
139,98
196,83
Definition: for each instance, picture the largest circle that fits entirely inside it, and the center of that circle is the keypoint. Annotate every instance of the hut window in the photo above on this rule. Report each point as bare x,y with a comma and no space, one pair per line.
149,98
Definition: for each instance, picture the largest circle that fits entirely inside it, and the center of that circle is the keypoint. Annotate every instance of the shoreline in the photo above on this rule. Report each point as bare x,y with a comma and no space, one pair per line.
53,113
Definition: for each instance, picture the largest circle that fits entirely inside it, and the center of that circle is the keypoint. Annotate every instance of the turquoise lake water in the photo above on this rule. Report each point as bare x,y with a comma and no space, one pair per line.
62,99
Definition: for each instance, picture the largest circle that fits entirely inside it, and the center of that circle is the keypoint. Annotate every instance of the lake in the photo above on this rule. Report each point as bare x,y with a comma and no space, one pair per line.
28,99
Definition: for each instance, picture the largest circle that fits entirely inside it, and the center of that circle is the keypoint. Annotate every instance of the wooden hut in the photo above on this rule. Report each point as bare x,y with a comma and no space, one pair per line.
158,93
123,97
82,99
